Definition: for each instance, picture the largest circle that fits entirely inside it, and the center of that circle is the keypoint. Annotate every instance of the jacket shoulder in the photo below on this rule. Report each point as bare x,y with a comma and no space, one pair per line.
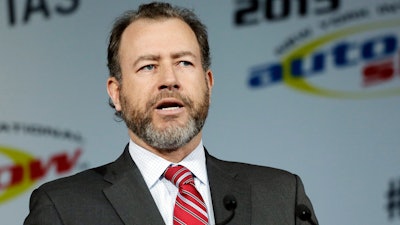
252,173
87,179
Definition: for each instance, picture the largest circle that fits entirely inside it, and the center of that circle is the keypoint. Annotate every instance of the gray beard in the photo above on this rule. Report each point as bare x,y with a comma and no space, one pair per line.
172,137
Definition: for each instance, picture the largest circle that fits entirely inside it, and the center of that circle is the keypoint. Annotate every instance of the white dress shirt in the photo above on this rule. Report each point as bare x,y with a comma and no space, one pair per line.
164,192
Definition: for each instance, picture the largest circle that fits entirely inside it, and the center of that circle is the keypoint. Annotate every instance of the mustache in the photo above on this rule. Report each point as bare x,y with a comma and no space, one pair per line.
154,100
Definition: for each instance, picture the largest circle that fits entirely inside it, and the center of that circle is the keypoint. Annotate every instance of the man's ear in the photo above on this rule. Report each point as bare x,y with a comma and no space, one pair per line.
210,80
113,90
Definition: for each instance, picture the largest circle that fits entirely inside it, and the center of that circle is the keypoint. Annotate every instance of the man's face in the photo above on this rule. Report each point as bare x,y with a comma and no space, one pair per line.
164,94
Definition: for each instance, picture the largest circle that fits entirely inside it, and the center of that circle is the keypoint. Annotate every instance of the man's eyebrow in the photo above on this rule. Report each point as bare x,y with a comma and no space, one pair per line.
146,57
152,57
182,53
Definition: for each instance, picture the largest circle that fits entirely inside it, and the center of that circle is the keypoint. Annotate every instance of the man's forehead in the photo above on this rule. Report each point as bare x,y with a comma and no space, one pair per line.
147,23
153,37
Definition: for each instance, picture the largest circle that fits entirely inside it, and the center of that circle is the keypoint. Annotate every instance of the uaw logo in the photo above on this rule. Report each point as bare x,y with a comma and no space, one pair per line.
20,169
356,62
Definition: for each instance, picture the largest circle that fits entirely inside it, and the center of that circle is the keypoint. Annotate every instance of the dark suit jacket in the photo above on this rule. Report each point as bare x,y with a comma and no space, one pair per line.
116,193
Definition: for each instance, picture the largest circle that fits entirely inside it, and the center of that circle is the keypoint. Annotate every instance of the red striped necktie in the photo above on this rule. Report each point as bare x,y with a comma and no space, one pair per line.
190,208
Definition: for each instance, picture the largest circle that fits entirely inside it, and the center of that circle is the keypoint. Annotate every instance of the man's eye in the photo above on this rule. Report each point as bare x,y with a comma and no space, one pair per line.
185,63
148,67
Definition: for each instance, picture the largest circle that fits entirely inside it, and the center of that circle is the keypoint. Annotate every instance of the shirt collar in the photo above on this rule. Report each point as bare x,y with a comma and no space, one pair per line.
153,166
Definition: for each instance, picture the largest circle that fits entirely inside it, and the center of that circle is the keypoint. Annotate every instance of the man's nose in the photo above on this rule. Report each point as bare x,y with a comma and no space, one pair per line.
169,79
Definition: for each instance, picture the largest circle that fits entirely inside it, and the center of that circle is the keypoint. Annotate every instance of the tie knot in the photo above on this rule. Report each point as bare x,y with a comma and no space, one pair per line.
178,175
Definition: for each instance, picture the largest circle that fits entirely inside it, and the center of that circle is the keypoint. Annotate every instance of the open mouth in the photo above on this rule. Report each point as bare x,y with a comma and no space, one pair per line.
169,105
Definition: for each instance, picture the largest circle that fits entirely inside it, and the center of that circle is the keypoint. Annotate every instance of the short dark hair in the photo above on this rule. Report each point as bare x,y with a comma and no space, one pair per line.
155,10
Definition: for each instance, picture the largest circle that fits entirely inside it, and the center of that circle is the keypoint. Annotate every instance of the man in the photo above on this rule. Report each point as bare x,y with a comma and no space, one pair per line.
160,84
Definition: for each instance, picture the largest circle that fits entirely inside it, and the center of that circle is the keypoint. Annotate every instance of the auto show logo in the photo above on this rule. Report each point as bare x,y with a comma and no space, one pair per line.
393,199
359,61
252,12
22,12
20,169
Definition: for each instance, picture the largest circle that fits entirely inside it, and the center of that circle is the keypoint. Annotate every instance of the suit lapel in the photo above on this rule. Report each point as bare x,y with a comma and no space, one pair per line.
224,182
129,194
